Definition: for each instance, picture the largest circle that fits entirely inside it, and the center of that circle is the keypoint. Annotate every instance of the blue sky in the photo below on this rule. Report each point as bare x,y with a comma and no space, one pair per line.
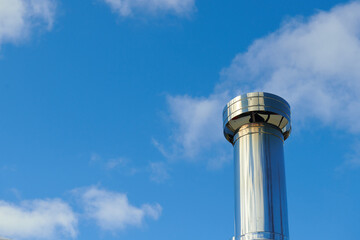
111,114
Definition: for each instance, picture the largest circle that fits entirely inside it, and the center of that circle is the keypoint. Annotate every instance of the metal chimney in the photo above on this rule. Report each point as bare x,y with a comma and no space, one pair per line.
257,124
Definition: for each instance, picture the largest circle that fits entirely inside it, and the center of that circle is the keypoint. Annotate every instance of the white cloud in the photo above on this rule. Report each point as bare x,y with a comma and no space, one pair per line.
19,17
112,210
198,123
127,8
37,219
312,63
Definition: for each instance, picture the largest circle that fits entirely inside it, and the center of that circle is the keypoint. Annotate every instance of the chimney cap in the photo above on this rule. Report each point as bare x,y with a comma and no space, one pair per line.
256,107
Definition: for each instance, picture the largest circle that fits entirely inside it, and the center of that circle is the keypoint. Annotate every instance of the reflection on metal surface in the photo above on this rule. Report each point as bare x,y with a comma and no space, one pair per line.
257,125
256,107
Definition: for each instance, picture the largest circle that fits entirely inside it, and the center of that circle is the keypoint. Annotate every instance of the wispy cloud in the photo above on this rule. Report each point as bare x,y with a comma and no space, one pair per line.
198,122
313,63
94,158
126,8
159,172
120,164
115,162
112,210
162,149
352,159
37,219
19,17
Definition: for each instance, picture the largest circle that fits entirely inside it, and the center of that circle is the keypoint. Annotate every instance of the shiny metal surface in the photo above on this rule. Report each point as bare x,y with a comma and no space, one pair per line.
260,191
271,108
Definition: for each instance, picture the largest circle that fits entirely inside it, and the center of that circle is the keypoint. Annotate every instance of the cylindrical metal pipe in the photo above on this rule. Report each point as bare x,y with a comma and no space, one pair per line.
260,192
257,124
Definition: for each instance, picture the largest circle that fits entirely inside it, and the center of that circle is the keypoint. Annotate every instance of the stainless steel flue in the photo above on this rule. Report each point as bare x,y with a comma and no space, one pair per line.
257,125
